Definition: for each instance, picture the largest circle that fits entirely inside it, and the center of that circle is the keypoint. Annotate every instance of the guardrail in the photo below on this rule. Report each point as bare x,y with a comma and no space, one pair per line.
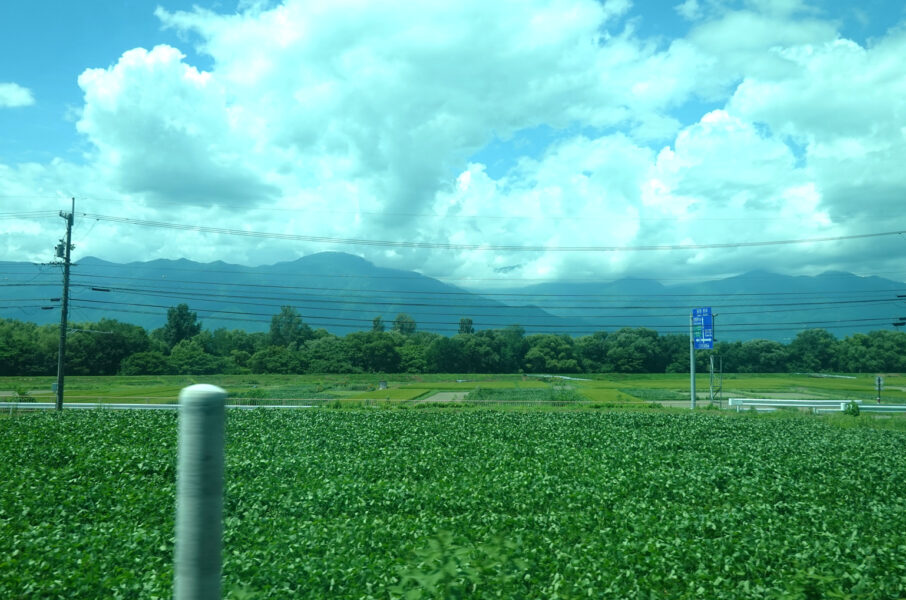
775,403
815,405
883,408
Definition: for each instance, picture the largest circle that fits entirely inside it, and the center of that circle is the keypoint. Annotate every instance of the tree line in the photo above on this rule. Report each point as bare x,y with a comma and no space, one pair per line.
183,346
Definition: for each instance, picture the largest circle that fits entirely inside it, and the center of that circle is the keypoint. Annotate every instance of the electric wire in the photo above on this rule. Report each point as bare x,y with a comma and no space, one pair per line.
350,295
481,293
332,299
367,321
248,271
476,247
575,331
245,206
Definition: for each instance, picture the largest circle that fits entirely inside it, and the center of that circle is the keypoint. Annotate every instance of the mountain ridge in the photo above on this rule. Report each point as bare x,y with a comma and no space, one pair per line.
343,292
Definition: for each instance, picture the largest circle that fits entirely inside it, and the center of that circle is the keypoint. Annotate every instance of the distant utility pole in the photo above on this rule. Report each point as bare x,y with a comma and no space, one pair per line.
692,361
63,251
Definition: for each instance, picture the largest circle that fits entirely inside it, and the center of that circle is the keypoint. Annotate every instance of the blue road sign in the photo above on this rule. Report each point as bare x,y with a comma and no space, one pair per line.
702,328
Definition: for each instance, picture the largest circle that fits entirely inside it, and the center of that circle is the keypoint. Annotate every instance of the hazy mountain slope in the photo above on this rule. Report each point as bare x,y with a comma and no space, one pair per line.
343,293
339,292
758,304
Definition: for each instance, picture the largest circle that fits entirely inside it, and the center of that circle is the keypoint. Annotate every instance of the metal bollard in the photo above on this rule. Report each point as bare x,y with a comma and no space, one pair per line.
199,493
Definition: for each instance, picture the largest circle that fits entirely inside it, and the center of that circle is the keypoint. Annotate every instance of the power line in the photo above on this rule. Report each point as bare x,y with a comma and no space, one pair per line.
487,294
572,330
491,294
390,301
477,247
527,320
531,295
251,272
366,321
245,206
34,214
41,306
484,294
312,302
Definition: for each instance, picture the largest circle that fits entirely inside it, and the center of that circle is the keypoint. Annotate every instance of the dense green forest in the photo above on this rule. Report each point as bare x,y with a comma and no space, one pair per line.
183,346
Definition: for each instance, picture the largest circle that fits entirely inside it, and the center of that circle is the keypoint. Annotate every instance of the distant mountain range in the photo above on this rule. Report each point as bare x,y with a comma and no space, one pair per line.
343,293
757,304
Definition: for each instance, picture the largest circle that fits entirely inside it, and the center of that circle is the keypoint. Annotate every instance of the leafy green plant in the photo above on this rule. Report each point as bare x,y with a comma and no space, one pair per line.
22,395
478,503
449,568
852,409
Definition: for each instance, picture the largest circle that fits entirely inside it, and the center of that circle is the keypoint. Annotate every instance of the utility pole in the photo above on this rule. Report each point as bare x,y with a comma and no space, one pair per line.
63,251
691,363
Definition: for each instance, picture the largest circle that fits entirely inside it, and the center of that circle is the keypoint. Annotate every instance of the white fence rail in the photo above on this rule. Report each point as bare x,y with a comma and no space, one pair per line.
775,403
883,408
815,405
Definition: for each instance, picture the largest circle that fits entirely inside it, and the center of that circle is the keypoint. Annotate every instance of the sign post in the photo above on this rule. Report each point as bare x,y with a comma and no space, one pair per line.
701,337
879,381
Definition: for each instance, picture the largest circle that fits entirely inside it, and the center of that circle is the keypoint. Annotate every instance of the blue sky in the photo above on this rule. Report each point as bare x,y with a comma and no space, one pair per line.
61,38
539,123
47,45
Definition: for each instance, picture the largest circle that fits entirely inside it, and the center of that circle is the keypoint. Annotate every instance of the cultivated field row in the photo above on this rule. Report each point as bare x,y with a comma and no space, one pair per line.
516,390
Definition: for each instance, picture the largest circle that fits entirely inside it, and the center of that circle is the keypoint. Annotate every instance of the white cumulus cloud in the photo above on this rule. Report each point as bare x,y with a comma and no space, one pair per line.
165,129
362,119
845,106
13,95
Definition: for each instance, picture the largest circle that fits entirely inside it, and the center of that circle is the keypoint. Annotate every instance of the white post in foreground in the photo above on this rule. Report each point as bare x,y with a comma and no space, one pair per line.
199,493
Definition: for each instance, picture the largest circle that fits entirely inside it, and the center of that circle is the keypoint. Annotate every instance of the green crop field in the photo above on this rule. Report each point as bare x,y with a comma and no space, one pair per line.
405,393
465,503
672,389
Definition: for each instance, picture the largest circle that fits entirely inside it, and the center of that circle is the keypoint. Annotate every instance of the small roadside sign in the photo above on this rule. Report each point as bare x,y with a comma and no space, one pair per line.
702,328
701,334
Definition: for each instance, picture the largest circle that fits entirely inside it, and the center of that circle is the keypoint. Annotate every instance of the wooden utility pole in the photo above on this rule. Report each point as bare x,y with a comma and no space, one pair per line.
63,251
